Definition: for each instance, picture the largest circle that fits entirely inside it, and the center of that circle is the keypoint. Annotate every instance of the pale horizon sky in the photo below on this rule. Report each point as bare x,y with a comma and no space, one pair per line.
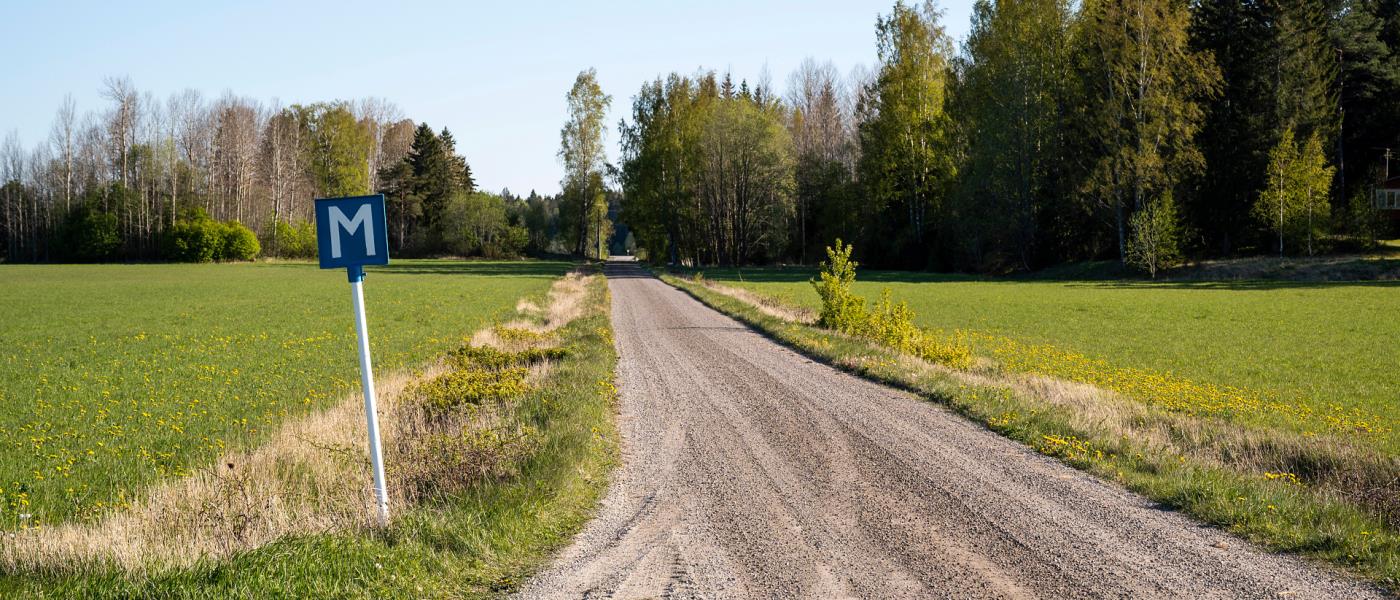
496,75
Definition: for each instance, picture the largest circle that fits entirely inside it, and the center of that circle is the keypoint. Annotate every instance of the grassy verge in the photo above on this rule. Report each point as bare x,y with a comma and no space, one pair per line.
533,450
1319,345
1209,467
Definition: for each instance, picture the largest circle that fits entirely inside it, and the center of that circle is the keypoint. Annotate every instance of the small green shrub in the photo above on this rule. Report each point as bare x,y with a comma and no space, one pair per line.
293,240
239,242
480,374
196,239
888,323
199,238
1154,240
486,357
90,235
1363,220
519,335
892,324
841,310
472,386
955,353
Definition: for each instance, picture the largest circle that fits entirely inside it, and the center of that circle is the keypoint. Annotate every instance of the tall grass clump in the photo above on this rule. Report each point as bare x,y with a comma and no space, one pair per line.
458,428
888,323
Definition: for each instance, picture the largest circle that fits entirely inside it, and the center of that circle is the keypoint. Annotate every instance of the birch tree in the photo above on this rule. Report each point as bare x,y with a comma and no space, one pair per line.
1294,205
582,152
61,138
121,121
906,143
1011,103
1141,101
821,129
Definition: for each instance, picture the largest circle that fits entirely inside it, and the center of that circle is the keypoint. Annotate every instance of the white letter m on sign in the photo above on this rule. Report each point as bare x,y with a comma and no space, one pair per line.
338,222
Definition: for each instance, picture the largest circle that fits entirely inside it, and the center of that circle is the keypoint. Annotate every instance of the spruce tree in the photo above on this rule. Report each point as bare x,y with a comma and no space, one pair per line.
1239,129
1305,70
1369,87
461,172
433,179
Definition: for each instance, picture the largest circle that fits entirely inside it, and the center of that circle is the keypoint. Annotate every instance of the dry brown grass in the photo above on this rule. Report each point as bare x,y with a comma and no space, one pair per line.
768,306
436,453
312,476
565,302
1375,267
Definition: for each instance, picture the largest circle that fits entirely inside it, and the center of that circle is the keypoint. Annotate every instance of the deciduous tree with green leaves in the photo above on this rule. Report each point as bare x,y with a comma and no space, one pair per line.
842,309
1295,206
338,147
907,160
1010,105
745,180
581,149
1155,239
1142,84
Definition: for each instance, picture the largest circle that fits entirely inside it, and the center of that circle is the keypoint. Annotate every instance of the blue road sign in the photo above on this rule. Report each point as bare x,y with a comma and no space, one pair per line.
352,232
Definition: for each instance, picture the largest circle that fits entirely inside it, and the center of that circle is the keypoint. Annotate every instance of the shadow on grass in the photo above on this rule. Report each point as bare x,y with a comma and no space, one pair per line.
1088,276
510,268
474,268
1262,285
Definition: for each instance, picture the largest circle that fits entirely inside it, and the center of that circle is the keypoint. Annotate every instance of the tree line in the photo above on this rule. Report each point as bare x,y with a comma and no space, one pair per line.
230,178
1139,130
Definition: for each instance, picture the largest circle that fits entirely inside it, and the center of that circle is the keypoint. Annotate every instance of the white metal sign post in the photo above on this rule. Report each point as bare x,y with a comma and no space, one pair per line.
352,233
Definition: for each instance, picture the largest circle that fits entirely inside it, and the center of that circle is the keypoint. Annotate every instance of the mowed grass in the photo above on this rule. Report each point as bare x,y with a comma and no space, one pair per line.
114,376
1328,348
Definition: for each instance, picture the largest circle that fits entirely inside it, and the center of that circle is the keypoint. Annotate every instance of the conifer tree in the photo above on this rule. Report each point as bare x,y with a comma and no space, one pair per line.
1305,69
1238,130
461,171
433,180
1368,82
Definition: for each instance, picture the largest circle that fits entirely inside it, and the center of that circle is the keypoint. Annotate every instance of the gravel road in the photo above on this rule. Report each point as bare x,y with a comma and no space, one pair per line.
750,471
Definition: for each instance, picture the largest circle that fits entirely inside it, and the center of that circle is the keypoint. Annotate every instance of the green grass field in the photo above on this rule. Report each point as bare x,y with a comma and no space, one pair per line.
114,376
479,542
1317,344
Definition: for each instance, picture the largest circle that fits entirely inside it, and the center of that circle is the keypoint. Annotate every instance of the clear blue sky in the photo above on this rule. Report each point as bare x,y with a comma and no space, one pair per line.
494,73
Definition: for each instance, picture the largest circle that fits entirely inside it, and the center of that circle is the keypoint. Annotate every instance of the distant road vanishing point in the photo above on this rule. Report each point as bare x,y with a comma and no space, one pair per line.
752,472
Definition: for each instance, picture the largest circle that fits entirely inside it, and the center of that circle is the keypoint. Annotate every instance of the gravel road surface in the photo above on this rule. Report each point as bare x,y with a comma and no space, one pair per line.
752,472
